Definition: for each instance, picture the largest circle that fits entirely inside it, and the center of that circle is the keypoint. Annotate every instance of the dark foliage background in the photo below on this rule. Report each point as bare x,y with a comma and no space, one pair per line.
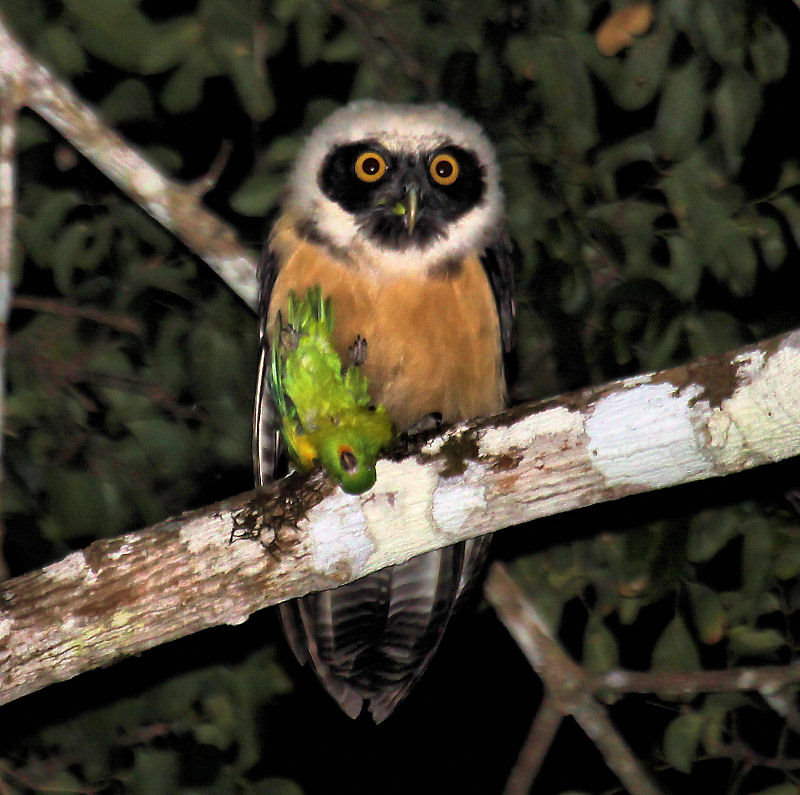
654,194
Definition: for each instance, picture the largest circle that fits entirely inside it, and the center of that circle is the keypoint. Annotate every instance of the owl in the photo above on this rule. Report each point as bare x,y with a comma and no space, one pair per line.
396,211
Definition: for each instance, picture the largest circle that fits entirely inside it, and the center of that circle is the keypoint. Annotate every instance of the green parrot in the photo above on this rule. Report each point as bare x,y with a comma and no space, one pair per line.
325,409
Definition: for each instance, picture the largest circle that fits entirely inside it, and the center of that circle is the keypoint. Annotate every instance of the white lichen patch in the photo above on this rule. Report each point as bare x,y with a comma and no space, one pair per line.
404,489
71,569
647,436
760,422
6,625
557,421
337,534
459,500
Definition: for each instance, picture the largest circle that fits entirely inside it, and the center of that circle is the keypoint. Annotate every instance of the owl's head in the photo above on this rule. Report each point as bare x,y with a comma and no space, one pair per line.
405,187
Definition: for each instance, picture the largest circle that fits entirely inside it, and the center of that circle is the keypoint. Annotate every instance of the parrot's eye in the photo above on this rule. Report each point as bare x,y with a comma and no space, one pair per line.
370,166
444,169
348,461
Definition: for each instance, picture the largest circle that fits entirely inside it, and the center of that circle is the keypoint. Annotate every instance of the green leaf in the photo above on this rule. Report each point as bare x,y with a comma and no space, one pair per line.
786,563
790,209
771,242
709,532
600,652
251,82
682,278
681,739
644,69
80,504
312,26
722,25
736,103
563,82
675,650
72,240
681,110
153,771
734,260
28,18
769,50
665,345
709,615
711,333
184,89
748,641
343,49
257,195
171,44
113,30
62,49
759,545
129,100
168,446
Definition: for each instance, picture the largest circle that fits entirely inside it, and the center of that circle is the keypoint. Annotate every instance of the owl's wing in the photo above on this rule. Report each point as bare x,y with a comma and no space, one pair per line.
267,446
500,260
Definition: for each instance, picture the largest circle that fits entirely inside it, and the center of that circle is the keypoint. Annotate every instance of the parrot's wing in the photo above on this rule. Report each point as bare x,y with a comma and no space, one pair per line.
372,639
500,260
267,447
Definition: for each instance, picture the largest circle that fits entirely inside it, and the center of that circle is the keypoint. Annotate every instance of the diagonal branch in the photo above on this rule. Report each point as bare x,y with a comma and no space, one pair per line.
176,206
123,595
564,681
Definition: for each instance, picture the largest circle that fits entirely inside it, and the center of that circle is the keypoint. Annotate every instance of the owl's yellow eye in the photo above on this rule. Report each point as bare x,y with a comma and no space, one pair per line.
370,166
444,169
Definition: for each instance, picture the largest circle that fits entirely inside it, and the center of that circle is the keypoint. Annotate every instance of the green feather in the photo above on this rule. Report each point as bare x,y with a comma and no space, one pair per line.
326,412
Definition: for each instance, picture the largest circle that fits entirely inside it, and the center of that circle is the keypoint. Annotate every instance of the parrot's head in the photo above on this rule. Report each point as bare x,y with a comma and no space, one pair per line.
345,457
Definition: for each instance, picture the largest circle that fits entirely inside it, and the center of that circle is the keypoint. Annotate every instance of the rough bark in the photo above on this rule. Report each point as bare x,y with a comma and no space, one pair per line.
709,418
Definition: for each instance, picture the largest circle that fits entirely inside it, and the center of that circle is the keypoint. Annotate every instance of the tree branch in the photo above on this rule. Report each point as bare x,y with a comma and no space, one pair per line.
120,596
565,682
9,105
177,207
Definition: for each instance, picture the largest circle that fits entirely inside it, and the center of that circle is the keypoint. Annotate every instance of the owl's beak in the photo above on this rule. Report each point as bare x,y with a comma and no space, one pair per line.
411,205
407,207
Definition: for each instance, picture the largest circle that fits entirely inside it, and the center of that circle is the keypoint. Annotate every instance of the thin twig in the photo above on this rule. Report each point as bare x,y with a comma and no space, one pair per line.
563,679
766,679
8,127
535,748
67,309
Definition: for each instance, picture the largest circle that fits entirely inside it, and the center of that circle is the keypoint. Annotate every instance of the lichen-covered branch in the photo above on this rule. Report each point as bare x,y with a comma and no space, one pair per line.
176,206
121,596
